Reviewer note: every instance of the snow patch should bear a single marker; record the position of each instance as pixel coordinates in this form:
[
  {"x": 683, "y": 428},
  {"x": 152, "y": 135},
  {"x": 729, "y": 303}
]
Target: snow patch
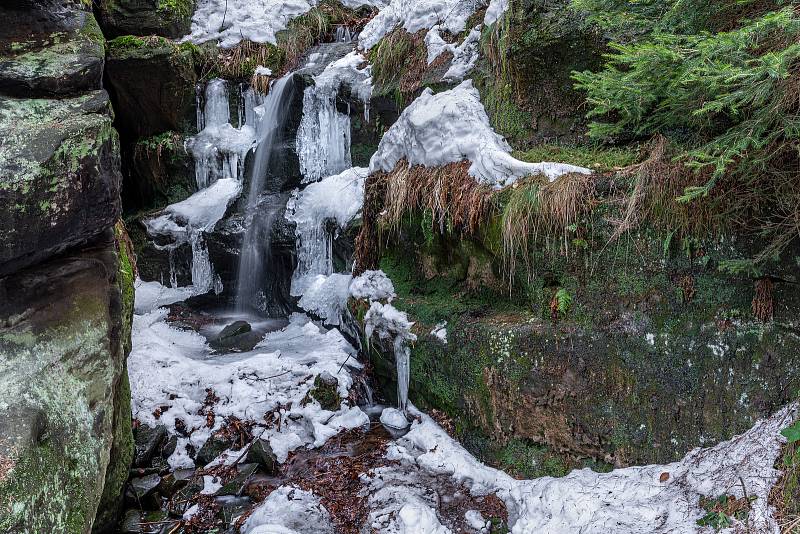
[
  {"x": 450, "y": 126},
  {"x": 465, "y": 55},
  {"x": 289, "y": 509},
  {"x": 173, "y": 368},
  {"x": 416, "y": 15}
]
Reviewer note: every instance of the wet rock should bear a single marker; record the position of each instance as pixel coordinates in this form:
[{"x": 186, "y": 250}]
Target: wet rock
[
  {"x": 261, "y": 453},
  {"x": 59, "y": 176},
  {"x": 170, "y": 484},
  {"x": 130, "y": 523},
  {"x": 148, "y": 440},
  {"x": 145, "y": 17},
  {"x": 237, "y": 484},
  {"x": 50, "y": 48},
  {"x": 143, "y": 487},
  {"x": 213, "y": 447},
  {"x": 236, "y": 337}
]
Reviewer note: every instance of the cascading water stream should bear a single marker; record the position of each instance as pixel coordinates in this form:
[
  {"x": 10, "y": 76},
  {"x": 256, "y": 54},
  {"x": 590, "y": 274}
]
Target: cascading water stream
[{"x": 270, "y": 117}]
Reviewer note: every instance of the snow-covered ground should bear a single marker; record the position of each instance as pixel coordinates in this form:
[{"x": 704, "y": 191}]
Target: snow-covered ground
[{"x": 172, "y": 369}]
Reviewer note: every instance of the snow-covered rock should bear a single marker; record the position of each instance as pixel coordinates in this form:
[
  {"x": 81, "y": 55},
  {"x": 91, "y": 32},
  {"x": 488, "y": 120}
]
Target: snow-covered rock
[
  {"x": 450, "y": 126},
  {"x": 372, "y": 285},
  {"x": 416, "y": 15},
  {"x": 464, "y": 55}
]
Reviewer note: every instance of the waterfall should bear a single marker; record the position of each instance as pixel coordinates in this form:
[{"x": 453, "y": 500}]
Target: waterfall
[{"x": 270, "y": 117}]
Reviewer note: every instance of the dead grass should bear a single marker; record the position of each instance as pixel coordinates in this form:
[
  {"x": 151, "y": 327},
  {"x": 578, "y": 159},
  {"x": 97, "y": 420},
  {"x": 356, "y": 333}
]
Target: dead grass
[
  {"x": 539, "y": 210},
  {"x": 399, "y": 61},
  {"x": 452, "y": 198},
  {"x": 785, "y": 494}
]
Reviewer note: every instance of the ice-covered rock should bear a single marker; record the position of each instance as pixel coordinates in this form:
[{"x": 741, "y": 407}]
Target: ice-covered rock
[
  {"x": 372, "y": 285},
  {"x": 188, "y": 221},
  {"x": 450, "y": 126},
  {"x": 336, "y": 198}
]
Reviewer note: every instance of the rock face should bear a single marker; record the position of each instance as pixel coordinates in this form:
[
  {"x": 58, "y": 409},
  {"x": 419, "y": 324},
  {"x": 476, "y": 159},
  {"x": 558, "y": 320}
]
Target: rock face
[
  {"x": 66, "y": 277},
  {"x": 59, "y": 176},
  {"x": 49, "y": 49},
  {"x": 168, "y": 18},
  {"x": 63, "y": 389}
]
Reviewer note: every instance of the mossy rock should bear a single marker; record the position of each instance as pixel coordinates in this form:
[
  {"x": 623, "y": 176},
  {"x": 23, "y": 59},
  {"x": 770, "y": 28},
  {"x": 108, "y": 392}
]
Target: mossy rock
[
  {"x": 50, "y": 51},
  {"x": 657, "y": 352},
  {"x": 167, "y": 18},
  {"x": 60, "y": 176},
  {"x": 63, "y": 394},
  {"x": 152, "y": 82}
]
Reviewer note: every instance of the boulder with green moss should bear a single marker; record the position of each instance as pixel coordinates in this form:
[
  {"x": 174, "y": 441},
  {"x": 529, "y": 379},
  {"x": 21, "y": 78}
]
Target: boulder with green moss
[
  {"x": 64, "y": 400},
  {"x": 49, "y": 48},
  {"x": 59, "y": 176},
  {"x": 167, "y": 18}
]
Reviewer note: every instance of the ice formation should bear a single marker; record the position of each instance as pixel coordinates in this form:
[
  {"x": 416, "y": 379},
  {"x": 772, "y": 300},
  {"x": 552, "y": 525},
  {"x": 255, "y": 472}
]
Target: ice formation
[
  {"x": 189, "y": 220},
  {"x": 416, "y": 15},
  {"x": 172, "y": 367},
  {"x": 391, "y": 324},
  {"x": 323, "y": 139},
  {"x": 440, "y": 332},
  {"x": 219, "y": 149},
  {"x": 372, "y": 285},
  {"x": 451, "y": 126},
  {"x": 336, "y": 198}
]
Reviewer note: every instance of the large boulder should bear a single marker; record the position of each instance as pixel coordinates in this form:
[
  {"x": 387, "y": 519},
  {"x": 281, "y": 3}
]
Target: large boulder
[
  {"x": 49, "y": 48},
  {"x": 152, "y": 84},
  {"x": 168, "y": 18},
  {"x": 59, "y": 176},
  {"x": 64, "y": 400}
]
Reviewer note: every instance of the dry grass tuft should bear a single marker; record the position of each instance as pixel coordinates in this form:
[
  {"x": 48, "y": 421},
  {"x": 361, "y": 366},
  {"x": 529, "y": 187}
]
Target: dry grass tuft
[
  {"x": 455, "y": 201},
  {"x": 541, "y": 210}
]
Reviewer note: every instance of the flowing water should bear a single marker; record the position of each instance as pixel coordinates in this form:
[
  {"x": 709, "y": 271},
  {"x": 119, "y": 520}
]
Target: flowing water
[{"x": 270, "y": 119}]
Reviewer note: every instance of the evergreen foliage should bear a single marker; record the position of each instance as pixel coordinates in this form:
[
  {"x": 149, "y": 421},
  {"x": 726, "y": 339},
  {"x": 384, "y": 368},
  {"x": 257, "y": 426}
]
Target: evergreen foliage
[{"x": 719, "y": 79}]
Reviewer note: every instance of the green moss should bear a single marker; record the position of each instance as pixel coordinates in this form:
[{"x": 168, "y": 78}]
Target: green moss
[
  {"x": 175, "y": 9},
  {"x": 595, "y": 157}
]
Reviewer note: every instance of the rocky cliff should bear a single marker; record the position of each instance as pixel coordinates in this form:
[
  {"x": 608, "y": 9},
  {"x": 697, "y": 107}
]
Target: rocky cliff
[{"x": 66, "y": 277}]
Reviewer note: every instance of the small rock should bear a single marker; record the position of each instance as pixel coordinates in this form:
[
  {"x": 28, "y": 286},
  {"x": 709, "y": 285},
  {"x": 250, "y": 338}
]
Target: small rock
[
  {"x": 235, "y": 486},
  {"x": 148, "y": 441},
  {"x": 236, "y": 337},
  {"x": 326, "y": 392},
  {"x": 144, "y": 486},
  {"x": 261, "y": 453},
  {"x": 213, "y": 447}
]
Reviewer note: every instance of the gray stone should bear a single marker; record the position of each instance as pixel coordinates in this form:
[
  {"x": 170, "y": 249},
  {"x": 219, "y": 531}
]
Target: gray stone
[{"x": 62, "y": 361}]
